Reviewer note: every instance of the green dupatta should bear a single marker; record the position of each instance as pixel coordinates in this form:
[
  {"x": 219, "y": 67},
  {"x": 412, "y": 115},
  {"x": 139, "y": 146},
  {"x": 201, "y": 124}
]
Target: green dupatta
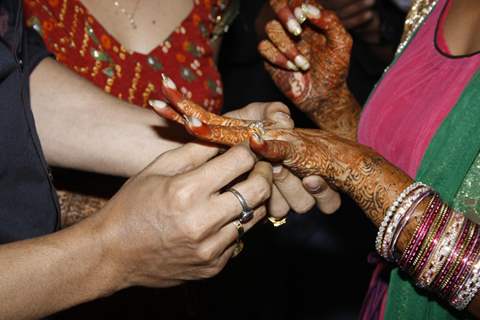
[{"x": 451, "y": 165}]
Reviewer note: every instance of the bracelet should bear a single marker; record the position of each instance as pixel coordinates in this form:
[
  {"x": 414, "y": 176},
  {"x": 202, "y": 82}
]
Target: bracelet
[
  {"x": 390, "y": 212},
  {"x": 442, "y": 251},
  {"x": 410, "y": 201}
]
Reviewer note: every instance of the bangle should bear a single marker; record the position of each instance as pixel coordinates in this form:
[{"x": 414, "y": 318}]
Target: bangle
[
  {"x": 390, "y": 212},
  {"x": 410, "y": 201},
  {"x": 442, "y": 251}
]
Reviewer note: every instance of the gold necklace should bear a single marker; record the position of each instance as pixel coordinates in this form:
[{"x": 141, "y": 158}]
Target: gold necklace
[{"x": 129, "y": 15}]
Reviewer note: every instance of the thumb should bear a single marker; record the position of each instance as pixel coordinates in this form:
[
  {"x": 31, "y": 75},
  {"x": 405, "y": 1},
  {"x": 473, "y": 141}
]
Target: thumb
[
  {"x": 180, "y": 160},
  {"x": 328, "y": 200}
]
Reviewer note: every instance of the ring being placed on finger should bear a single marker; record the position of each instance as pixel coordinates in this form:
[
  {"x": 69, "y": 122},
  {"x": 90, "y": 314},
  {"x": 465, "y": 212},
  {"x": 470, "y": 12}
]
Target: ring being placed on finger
[
  {"x": 277, "y": 222},
  {"x": 247, "y": 212}
]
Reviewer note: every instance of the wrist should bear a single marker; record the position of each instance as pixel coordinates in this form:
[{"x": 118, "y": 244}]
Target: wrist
[{"x": 339, "y": 113}]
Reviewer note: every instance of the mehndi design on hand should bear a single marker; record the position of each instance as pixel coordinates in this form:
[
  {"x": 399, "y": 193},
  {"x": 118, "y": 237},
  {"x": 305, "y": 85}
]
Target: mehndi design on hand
[
  {"x": 355, "y": 169},
  {"x": 311, "y": 69}
]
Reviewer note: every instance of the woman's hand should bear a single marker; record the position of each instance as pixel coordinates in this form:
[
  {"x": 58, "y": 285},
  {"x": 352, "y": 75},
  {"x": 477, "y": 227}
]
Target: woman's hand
[
  {"x": 311, "y": 69},
  {"x": 350, "y": 167},
  {"x": 289, "y": 192}
]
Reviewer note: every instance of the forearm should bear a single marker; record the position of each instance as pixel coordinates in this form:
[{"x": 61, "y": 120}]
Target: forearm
[
  {"x": 384, "y": 187},
  {"x": 47, "y": 274},
  {"x": 83, "y": 128},
  {"x": 338, "y": 114}
]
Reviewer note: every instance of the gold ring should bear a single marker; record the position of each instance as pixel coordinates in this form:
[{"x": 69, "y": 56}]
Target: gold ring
[
  {"x": 277, "y": 222},
  {"x": 238, "y": 248}
]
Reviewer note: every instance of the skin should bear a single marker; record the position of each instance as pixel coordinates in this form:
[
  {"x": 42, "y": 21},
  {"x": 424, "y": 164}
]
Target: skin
[
  {"x": 321, "y": 91},
  {"x": 83, "y": 128},
  {"x": 151, "y": 234},
  {"x": 355, "y": 169}
]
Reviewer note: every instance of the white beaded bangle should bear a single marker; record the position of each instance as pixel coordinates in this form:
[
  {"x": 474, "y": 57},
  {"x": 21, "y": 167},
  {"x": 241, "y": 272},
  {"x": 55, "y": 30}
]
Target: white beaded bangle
[
  {"x": 390, "y": 212},
  {"x": 401, "y": 218}
]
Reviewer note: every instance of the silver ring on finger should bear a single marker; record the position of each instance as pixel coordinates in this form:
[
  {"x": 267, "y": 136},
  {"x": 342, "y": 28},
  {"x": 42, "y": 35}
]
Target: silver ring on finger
[{"x": 247, "y": 212}]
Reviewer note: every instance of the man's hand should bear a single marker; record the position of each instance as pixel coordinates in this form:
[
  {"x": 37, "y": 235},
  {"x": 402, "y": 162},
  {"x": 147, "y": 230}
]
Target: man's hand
[{"x": 173, "y": 222}]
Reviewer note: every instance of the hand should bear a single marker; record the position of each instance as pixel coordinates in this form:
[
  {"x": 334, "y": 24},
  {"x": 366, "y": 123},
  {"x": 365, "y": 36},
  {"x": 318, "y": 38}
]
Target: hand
[
  {"x": 312, "y": 70},
  {"x": 288, "y": 191},
  {"x": 173, "y": 223}
]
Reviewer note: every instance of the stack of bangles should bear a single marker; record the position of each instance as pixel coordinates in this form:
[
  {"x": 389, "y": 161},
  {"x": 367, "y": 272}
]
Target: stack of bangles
[{"x": 443, "y": 255}]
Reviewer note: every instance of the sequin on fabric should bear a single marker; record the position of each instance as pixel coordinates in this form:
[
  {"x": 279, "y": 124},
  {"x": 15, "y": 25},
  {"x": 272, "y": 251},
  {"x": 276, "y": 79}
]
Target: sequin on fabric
[{"x": 468, "y": 197}]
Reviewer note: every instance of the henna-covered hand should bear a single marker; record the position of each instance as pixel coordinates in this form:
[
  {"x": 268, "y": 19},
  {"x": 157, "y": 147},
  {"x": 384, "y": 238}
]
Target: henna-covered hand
[
  {"x": 355, "y": 169},
  {"x": 312, "y": 68}
]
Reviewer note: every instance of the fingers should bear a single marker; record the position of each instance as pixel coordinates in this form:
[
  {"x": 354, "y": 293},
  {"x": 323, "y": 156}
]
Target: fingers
[
  {"x": 229, "y": 233},
  {"x": 188, "y": 108},
  {"x": 180, "y": 160},
  {"x": 274, "y": 56},
  {"x": 275, "y": 114},
  {"x": 217, "y": 134},
  {"x": 255, "y": 190},
  {"x": 329, "y": 23},
  {"x": 163, "y": 110},
  {"x": 292, "y": 190},
  {"x": 285, "y": 15},
  {"x": 285, "y": 45},
  {"x": 218, "y": 172},
  {"x": 328, "y": 200},
  {"x": 273, "y": 150},
  {"x": 277, "y": 205}
]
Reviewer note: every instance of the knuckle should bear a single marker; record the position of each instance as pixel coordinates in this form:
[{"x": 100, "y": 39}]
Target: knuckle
[
  {"x": 261, "y": 212},
  {"x": 206, "y": 254},
  {"x": 261, "y": 187},
  {"x": 243, "y": 156}
]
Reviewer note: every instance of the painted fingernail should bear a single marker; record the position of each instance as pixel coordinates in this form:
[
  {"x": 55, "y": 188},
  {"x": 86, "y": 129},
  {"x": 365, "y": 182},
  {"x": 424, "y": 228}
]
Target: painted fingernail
[
  {"x": 298, "y": 12},
  {"x": 256, "y": 137},
  {"x": 291, "y": 65},
  {"x": 302, "y": 62},
  {"x": 277, "y": 169},
  {"x": 311, "y": 11},
  {"x": 168, "y": 82},
  {"x": 195, "y": 122},
  {"x": 157, "y": 104},
  {"x": 294, "y": 27}
]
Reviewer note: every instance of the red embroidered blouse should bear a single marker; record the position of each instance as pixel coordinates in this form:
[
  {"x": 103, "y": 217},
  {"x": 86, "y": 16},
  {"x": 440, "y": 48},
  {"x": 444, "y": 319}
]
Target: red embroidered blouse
[{"x": 80, "y": 42}]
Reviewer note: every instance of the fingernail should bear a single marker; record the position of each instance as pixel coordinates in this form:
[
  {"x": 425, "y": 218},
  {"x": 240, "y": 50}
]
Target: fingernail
[
  {"x": 311, "y": 11},
  {"x": 294, "y": 27},
  {"x": 168, "y": 82},
  {"x": 298, "y": 12},
  {"x": 257, "y": 138},
  {"x": 195, "y": 122},
  {"x": 302, "y": 62},
  {"x": 311, "y": 186},
  {"x": 277, "y": 169},
  {"x": 291, "y": 65},
  {"x": 157, "y": 104}
]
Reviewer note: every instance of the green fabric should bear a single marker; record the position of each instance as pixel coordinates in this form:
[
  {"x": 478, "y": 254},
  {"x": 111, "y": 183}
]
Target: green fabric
[{"x": 445, "y": 165}]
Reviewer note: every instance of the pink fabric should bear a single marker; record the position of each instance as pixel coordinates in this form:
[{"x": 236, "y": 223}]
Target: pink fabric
[{"x": 414, "y": 98}]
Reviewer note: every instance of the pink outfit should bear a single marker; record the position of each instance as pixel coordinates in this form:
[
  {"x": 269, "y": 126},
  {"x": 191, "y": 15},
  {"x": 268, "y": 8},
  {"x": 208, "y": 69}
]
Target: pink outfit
[
  {"x": 406, "y": 109},
  {"x": 415, "y": 96}
]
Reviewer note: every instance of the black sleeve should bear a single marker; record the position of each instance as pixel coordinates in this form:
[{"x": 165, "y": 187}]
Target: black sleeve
[{"x": 34, "y": 50}]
